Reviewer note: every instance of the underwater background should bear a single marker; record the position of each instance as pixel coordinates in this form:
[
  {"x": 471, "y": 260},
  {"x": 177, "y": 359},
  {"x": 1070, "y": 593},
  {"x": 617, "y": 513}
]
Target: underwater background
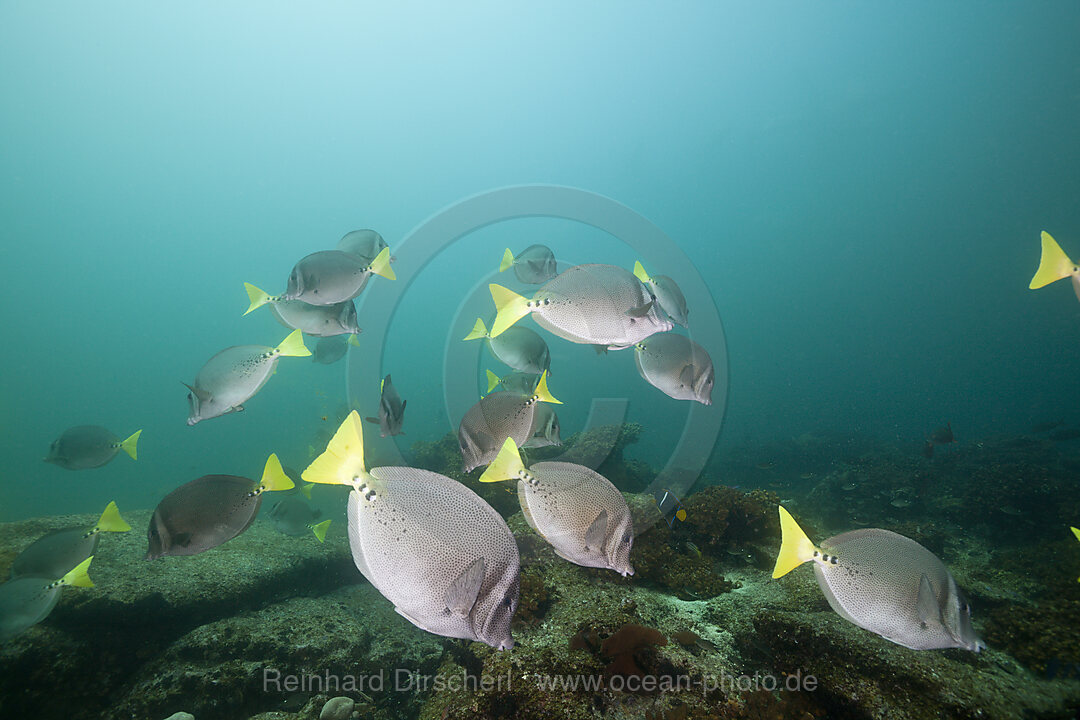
[{"x": 859, "y": 186}]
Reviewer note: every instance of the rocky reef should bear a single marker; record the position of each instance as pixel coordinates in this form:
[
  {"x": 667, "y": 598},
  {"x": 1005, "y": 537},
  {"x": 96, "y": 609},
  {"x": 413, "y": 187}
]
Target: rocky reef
[{"x": 275, "y": 627}]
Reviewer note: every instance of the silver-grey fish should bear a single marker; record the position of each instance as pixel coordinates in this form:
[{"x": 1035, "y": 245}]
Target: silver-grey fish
[
  {"x": 519, "y": 347},
  {"x": 329, "y": 350},
  {"x": 365, "y": 244},
  {"x": 316, "y": 320},
  {"x": 26, "y": 601},
  {"x": 534, "y": 265},
  {"x": 234, "y": 375},
  {"x": 545, "y": 428},
  {"x": 885, "y": 583},
  {"x": 497, "y": 416},
  {"x": 209, "y": 511},
  {"x": 515, "y": 382},
  {"x": 391, "y": 409},
  {"x": 54, "y": 554},
  {"x": 677, "y": 366},
  {"x": 667, "y": 293},
  {"x": 89, "y": 446},
  {"x": 577, "y": 510},
  {"x": 332, "y": 276},
  {"x": 587, "y": 304},
  {"x": 430, "y": 545},
  {"x": 292, "y": 516}
]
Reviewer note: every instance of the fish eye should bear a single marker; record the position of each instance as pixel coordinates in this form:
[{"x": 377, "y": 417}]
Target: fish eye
[
  {"x": 189, "y": 396},
  {"x": 626, "y": 538},
  {"x": 508, "y": 601}
]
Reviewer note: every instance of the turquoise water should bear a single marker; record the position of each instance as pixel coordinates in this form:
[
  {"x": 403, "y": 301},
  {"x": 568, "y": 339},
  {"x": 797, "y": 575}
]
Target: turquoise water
[{"x": 861, "y": 187}]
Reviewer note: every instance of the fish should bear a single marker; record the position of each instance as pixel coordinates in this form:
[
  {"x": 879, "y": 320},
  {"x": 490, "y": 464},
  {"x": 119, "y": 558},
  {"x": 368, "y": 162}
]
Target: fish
[
  {"x": 670, "y": 507},
  {"x": 575, "y": 509},
  {"x": 26, "y": 601},
  {"x": 546, "y": 430},
  {"x": 517, "y": 382},
  {"x": 667, "y": 293},
  {"x": 1054, "y": 265},
  {"x": 53, "y": 555},
  {"x": 676, "y": 366},
  {"x": 928, "y": 449},
  {"x": 328, "y": 350},
  {"x": 365, "y": 244},
  {"x": 234, "y": 375},
  {"x": 431, "y": 546},
  {"x": 295, "y": 517},
  {"x": 943, "y": 435},
  {"x": 519, "y": 347},
  {"x": 587, "y": 304},
  {"x": 314, "y": 320},
  {"x": 534, "y": 265},
  {"x": 391, "y": 409},
  {"x": 209, "y": 511},
  {"x": 497, "y": 416},
  {"x": 885, "y": 583},
  {"x": 89, "y": 446},
  {"x": 328, "y": 277},
  {"x": 1076, "y": 533}
]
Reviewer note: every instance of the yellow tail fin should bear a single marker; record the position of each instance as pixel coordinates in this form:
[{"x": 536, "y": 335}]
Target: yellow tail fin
[
  {"x": 305, "y": 489},
  {"x": 110, "y": 520},
  {"x": 130, "y": 446},
  {"x": 274, "y": 477},
  {"x": 507, "y": 464},
  {"x": 257, "y": 297},
  {"x": 1053, "y": 265},
  {"x": 343, "y": 461},
  {"x": 511, "y": 307},
  {"x": 479, "y": 330},
  {"x": 293, "y": 345},
  {"x": 639, "y": 272},
  {"x": 795, "y": 547},
  {"x": 542, "y": 392},
  {"x": 78, "y": 577},
  {"x": 381, "y": 265},
  {"x": 320, "y": 529},
  {"x": 493, "y": 380},
  {"x": 353, "y": 340},
  {"x": 507, "y": 261},
  {"x": 1075, "y": 532}
]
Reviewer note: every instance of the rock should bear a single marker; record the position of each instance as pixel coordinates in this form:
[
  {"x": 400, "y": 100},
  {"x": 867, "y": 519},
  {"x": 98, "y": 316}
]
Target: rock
[
  {"x": 339, "y": 708},
  {"x": 181, "y": 716}
]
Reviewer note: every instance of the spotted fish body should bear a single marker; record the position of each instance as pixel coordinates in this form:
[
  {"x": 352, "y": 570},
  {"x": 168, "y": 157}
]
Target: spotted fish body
[
  {"x": 490, "y": 421},
  {"x": 317, "y": 320},
  {"x": 328, "y": 277},
  {"x": 521, "y": 349},
  {"x": 234, "y": 375},
  {"x": 365, "y": 244},
  {"x": 885, "y": 583},
  {"x": 438, "y": 552},
  {"x": 580, "y": 513},
  {"x": 587, "y": 304},
  {"x": 84, "y": 447},
  {"x": 893, "y": 586},
  {"x": 677, "y": 366}
]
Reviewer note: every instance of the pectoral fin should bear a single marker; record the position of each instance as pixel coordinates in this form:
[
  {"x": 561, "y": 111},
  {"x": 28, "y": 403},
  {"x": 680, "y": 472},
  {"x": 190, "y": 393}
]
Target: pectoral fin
[
  {"x": 594, "y": 536},
  {"x": 641, "y": 311},
  {"x": 927, "y": 605},
  {"x": 462, "y": 594}
]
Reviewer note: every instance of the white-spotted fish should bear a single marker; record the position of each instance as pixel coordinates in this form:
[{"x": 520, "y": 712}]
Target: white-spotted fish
[
  {"x": 577, "y": 510},
  {"x": 885, "y": 583},
  {"x": 431, "y": 546},
  {"x": 677, "y": 366},
  {"x": 55, "y": 554},
  {"x": 534, "y": 265},
  {"x": 28, "y": 600},
  {"x": 519, "y": 347},
  {"x": 587, "y": 304},
  {"x": 209, "y": 511},
  {"x": 89, "y": 446},
  {"x": 329, "y": 277},
  {"x": 667, "y": 293},
  {"x": 497, "y": 416},
  {"x": 234, "y": 375}
]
